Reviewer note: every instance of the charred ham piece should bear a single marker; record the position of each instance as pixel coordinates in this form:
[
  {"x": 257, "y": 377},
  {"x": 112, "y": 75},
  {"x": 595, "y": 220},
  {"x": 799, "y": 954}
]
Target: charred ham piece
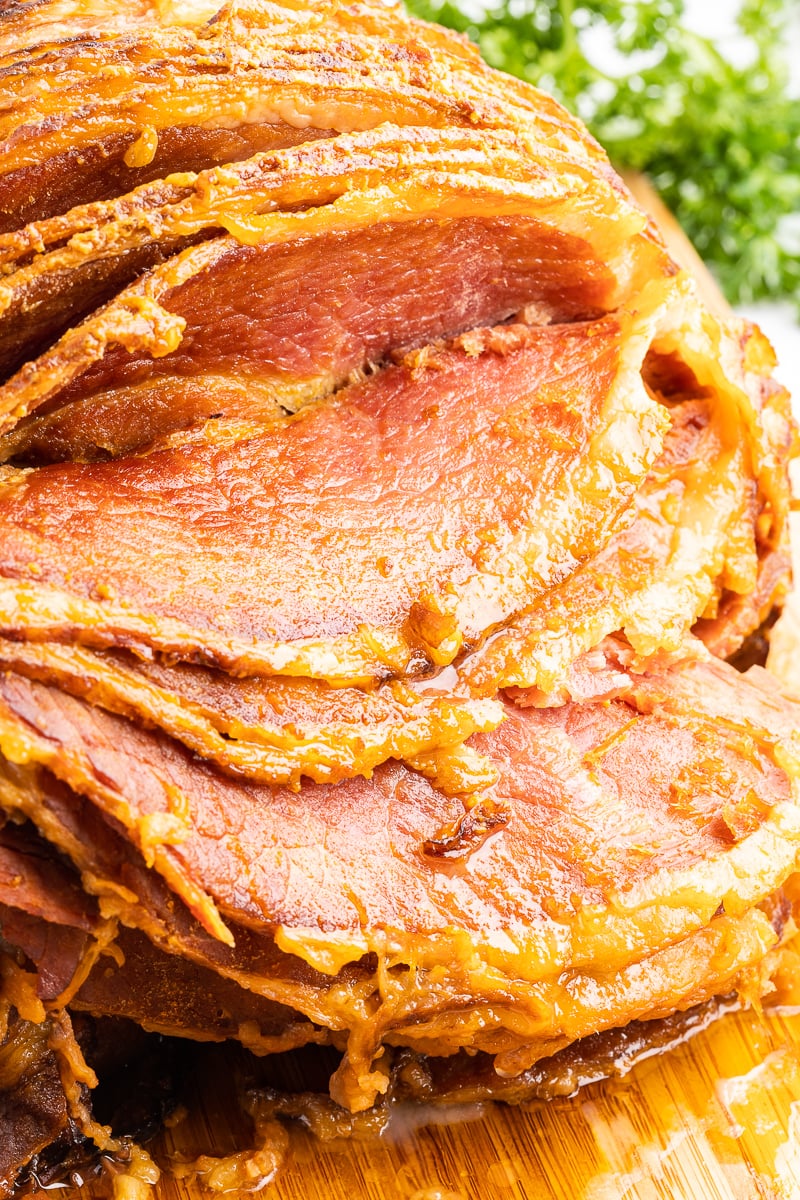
[
  {"x": 52, "y": 943},
  {"x": 47, "y": 925},
  {"x": 53, "y": 940},
  {"x": 45, "y": 1113},
  {"x": 34, "y": 1114}
]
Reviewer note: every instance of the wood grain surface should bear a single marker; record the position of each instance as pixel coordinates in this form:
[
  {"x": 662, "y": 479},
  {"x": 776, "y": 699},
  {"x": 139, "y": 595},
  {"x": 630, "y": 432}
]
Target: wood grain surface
[{"x": 716, "y": 1119}]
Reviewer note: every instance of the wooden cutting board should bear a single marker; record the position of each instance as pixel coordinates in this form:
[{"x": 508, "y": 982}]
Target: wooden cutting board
[{"x": 716, "y": 1119}]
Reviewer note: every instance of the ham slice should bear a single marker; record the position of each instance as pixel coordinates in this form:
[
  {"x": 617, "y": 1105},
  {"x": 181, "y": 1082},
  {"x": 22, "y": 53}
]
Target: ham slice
[
  {"x": 86, "y": 117},
  {"x": 276, "y": 861},
  {"x": 34, "y": 1113},
  {"x": 45, "y": 913},
  {"x": 275, "y": 729},
  {"x": 271, "y": 730},
  {"x": 552, "y": 405},
  {"x": 478, "y": 214},
  {"x": 457, "y": 540}
]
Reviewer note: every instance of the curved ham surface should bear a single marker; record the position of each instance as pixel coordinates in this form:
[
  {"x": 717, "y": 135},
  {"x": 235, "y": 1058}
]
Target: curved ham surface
[
  {"x": 577, "y": 883},
  {"x": 286, "y": 861},
  {"x": 231, "y": 328},
  {"x": 99, "y": 112},
  {"x": 341, "y": 202},
  {"x": 692, "y": 540},
  {"x": 569, "y": 424},
  {"x": 45, "y": 913},
  {"x": 226, "y": 329},
  {"x": 441, "y": 495},
  {"x": 273, "y": 730}
]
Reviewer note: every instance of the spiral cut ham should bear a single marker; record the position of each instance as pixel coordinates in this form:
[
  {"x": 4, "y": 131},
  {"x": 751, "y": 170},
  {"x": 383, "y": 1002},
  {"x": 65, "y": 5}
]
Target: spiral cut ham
[{"x": 379, "y": 505}]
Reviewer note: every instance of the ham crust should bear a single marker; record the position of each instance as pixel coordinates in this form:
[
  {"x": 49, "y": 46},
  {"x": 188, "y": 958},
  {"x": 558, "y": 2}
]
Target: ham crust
[
  {"x": 273, "y": 730},
  {"x": 511, "y": 207},
  {"x": 482, "y": 247},
  {"x": 88, "y": 131}
]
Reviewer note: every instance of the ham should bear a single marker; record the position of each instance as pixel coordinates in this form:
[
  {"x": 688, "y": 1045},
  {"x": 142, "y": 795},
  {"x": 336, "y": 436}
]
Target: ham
[
  {"x": 476, "y": 213},
  {"x": 34, "y": 1114},
  {"x": 273, "y": 729},
  {"x": 336, "y": 872},
  {"x": 277, "y": 729},
  {"x": 457, "y": 541},
  {"x": 88, "y": 117},
  {"x": 378, "y": 507}
]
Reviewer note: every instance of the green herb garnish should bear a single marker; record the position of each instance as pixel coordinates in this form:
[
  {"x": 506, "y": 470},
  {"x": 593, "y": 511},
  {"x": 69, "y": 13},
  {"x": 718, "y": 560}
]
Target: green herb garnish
[{"x": 721, "y": 142}]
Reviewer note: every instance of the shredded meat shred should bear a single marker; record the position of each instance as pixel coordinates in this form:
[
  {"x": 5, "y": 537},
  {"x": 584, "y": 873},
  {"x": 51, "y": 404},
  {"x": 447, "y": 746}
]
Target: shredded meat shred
[{"x": 379, "y": 504}]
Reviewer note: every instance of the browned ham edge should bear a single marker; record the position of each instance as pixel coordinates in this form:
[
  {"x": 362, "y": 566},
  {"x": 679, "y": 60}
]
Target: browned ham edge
[
  {"x": 329, "y": 192},
  {"x": 274, "y": 730},
  {"x": 174, "y": 99},
  {"x": 377, "y": 503},
  {"x": 268, "y": 730},
  {"x": 304, "y": 328}
]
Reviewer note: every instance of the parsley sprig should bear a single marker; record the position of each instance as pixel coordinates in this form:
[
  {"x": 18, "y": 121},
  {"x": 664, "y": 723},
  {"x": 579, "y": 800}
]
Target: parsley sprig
[{"x": 720, "y": 141}]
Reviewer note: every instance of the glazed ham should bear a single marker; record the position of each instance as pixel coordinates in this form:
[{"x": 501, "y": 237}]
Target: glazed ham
[
  {"x": 338, "y": 875},
  {"x": 426, "y": 543},
  {"x": 475, "y": 213},
  {"x": 379, "y": 504},
  {"x": 88, "y": 117}
]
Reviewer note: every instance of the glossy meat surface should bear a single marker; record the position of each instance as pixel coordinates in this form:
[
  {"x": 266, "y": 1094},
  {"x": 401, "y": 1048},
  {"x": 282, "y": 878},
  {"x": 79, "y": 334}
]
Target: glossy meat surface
[
  {"x": 271, "y": 730},
  {"x": 574, "y": 886},
  {"x": 263, "y": 309},
  {"x": 33, "y": 1107},
  {"x": 275, "y": 729},
  {"x": 111, "y": 95},
  {"x": 426, "y": 541},
  {"x": 555, "y": 767},
  {"x": 377, "y": 504},
  {"x": 327, "y": 191},
  {"x": 45, "y": 913},
  {"x": 281, "y": 329}
]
